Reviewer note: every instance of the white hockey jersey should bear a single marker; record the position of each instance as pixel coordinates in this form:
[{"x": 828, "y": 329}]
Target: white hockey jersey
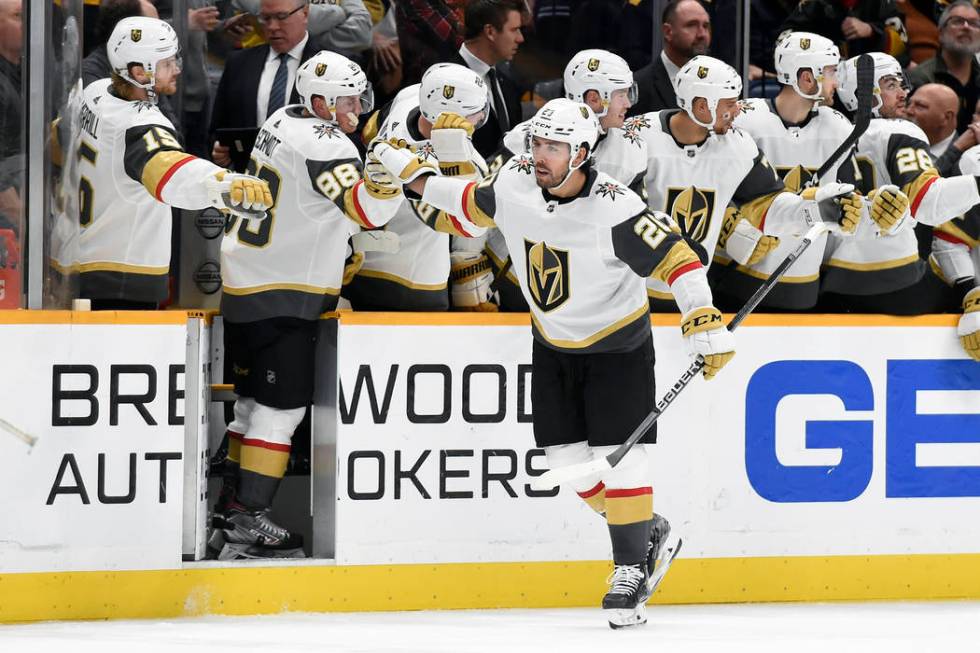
[
  {"x": 292, "y": 263},
  {"x": 416, "y": 276},
  {"x": 795, "y": 152},
  {"x": 131, "y": 167},
  {"x": 694, "y": 184},
  {"x": 582, "y": 260},
  {"x": 955, "y": 254}
]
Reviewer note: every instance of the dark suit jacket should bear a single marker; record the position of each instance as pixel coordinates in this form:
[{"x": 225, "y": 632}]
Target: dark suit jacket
[
  {"x": 234, "y": 103},
  {"x": 487, "y": 138},
  {"x": 655, "y": 87}
]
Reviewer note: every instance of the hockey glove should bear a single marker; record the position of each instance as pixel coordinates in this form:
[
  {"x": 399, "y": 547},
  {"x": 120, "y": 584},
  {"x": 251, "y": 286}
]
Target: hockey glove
[
  {"x": 705, "y": 334},
  {"x": 746, "y": 244},
  {"x": 451, "y": 136},
  {"x": 378, "y": 182},
  {"x": 889, "y": 208},
  {"x": 834, "y": 203},
  {"x": 969, "y": 327},
  {"x": 243, "y": 195},
  {"x": 404, "y": 165},
  {"x": 471, "y": 277}
]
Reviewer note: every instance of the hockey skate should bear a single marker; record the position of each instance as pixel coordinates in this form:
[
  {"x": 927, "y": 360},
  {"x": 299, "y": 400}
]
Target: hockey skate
[
  {"x": 625, "y": 603},
  {"x": 252, "y": 534},
  {"x": 659, "y": 555}
]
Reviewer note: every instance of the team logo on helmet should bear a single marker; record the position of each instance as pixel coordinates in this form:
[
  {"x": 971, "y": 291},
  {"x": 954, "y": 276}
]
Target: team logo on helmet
[
  {"x": 448, "y": 91},
  {"x": 547, "y": 275},
  {"x": 135, "y": 35},
  {"x": 702, "y": 72},
  {"x": 593, "y": 65},
  {"x": 804, "y": 44},
  {"x": 584, "y": 112},
  {"x": 691, "y": 208},
  {"x": 320, "y": 69}
]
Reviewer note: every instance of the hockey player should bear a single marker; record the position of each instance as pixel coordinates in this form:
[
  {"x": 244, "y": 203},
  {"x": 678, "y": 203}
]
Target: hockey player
[
  {"x": 415, "y": 278},
  {"x": 698, "y": 164},
  {"x": 582, "y": 245},
  {"x": 133, "y": 168},
  {"x": 879, "y": 269},
  {"x": 604, "y": 82},
  {"x": 797, "y": 134},
  {"x": 280, "y": 274}
]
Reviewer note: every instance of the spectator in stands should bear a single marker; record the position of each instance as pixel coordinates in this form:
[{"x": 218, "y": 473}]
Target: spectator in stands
[
  {"x": 857, "y": 26},
  {"x": 385, "y": 64},
  {"x": 933, "y": 107},
  {"x": 955, "y": 65},
  {"x": 11, "y": 114},
  {"x": 343, "y": 26},
  {"x": 493, "y": 36},
  {"x": 258, "y": 81},
  {"x": 431, "y": 30},
  {"x": 920, "y": 24},
  {"x": 95, "y": 66},
  {"x": 767, "y": 20},
  {"x": 686, "y": 31}
]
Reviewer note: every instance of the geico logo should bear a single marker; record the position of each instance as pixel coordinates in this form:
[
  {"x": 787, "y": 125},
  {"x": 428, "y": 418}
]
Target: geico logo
[
  {"x": 458, "y": 474},
  {"x": 76, "y": 399},
  {"x": 926, "y": 402},
  {"x": 69, "y": 479},
  {"x": 444, "y": 378}
]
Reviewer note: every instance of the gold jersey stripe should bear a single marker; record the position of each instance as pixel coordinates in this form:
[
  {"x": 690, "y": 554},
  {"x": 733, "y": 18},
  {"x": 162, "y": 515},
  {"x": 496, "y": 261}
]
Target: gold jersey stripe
[
  {"x": 595, "y": 337},
  {"x": 679, "y": 255},
  {"x": 159, "y": 168},
  {"x": 351, "y": 209},
  {"x": 938, "y": 271},
  {"x": 755, "y": 210},
  {"x": 106, "y": 266},
  {"x": 657, "y": 294},
  {"x": 629, "y": 510},
  {"x": 872, "y": 267},
  {"x": 299, "y": 287},
  {"x": 954, "y": 231},
  {"x": 394, "y": 278},
  {"x": 473, "y": 212},
  {"x": 914, "y": 187}
]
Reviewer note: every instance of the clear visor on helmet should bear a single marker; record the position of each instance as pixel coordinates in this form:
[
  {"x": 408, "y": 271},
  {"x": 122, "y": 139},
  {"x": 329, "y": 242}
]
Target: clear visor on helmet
[
  {"x": 633, "y": 93},
  {"x": 356, "y": 104},
  {"x": 171, "y": 64},
  {"x": 479, "y": 118}
]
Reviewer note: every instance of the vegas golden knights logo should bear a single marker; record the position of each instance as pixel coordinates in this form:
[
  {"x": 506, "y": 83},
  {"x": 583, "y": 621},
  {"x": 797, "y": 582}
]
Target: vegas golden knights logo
[
  {"x": 796, "y": 178},
  {"x": 584, "y": 112},
  {"x": 702, "y": 72},
  {"x": 320, "y": 69},
  {"x": 136, "y": 35},
  {"x": 804, "y": 44},
  {"x": 593, "y": 65},
  {"x": 448, "y": 91},
  {"x": 547, "y": 275},
  {"x": 691, "y": 209}
]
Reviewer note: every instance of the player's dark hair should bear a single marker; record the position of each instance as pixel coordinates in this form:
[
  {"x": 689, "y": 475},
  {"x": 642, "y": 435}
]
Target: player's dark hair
[{"x": 110, "y": 13}]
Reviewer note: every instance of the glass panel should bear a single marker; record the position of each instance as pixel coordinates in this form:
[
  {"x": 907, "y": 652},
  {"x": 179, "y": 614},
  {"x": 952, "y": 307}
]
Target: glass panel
[{"x": 13, "y": 105}]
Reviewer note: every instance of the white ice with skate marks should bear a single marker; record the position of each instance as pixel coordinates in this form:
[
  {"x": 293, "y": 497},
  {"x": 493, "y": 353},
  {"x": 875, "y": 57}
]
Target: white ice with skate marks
[{"x": 933, "y": 627}]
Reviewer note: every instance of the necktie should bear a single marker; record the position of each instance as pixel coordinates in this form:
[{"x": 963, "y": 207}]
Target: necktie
[
  {"x": 499, "y": 108},
  {"x": 277, "y": 96}
]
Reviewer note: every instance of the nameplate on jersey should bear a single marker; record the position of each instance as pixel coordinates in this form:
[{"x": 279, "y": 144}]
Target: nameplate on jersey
[
  {"x": 547, "y": 275},
  {"x": 691, "y": 209}
]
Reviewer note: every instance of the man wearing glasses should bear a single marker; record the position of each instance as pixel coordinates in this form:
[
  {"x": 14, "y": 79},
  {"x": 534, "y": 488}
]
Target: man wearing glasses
[
  {"x": 258, "y": 81},
  {"x": 955, "y": 65}
]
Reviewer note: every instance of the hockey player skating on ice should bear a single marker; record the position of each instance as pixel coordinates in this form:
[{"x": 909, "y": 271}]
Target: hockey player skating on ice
[
  {"x": 582, "y": 245},
  {"x": 797, "y": 132},
  {"x": 879, "y": 270},
  {"x": 698, "y": 164},
  {"x": 415, "y": 277},
  {"x": 133, "y": 168},
  {"x": 280, "y": 274}
]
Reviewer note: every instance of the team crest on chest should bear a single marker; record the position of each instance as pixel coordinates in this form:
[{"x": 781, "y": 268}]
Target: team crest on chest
[
  {"x": 796, "y": 178},
  {"x": 325, "y": 130},
  {"x": 691, "y": 209},
  {"x": 547, "y": 275},
  {"x": 609, "y": 189},
  {"x": 523, "y": 163}
]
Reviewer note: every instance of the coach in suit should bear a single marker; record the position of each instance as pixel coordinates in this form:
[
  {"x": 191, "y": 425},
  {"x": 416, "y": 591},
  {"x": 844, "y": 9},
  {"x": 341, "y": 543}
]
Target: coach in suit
[
  {"x": 258, "y": 81},
  {"x": 492, "y": 36},
  {"x": 686, "y": 32}
]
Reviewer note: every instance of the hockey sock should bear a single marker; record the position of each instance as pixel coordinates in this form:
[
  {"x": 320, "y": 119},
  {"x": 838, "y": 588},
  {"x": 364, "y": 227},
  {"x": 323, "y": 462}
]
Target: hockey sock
[
  {"x": 629, "y": 513},
  {"x": 595, "y": 497},
  {"x": 263, "y": 464}
]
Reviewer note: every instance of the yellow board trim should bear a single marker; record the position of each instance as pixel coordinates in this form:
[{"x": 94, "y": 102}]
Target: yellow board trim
[
  {"x": 872, "y": 267},
  {"x": 300, "y": 287},
  {"x": 244, "y": 589},
  {"x": 394, "y": 278},
  {"x": 96, "y": 317},
  {"x": 598, "y": 335}
]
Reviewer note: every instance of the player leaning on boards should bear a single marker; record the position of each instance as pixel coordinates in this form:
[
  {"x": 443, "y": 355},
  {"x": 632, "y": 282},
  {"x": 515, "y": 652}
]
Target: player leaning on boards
[
  {"x": 604, "y": 82},
  {"x": 796, "y": 133},
  {"x": 698, "y": 164},
  {"x": 133, "y": 169},
  {"x": 280, "y": 274},
  {"x": 415, "y": 277},
  {"x": 879, "y": 269},
  {"x": 582, "y": 245}
]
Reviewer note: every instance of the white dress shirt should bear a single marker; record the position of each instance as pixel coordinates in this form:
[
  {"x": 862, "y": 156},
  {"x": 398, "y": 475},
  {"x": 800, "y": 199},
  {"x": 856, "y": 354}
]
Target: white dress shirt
[
  {"x": 481, "y": 68},
  {"x": 941, "y": 146},
  {"x": 671, "y": 68},
  {"x": 269, "y": 74}
]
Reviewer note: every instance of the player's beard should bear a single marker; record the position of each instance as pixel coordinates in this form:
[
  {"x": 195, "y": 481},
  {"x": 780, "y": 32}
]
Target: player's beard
[{"x": 960, "y": 47}]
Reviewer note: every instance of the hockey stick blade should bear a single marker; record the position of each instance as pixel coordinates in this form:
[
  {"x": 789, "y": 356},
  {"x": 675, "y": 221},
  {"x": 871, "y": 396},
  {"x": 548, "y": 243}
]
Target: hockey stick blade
[
  {"x": 26, "y": 438},
  {"x": 559, "y": 475}
]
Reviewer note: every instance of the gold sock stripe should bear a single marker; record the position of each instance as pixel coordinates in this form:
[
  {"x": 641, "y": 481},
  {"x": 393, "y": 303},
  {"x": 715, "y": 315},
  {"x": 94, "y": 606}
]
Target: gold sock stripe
[
  {"x": 261, "y": 460},
  {"x": 629, "y": 506}
]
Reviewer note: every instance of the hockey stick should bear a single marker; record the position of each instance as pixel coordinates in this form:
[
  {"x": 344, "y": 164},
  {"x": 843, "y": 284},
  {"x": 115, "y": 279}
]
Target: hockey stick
[
  {"x": 560, "y": 475},
  {"x": 27, "y": 438}
]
